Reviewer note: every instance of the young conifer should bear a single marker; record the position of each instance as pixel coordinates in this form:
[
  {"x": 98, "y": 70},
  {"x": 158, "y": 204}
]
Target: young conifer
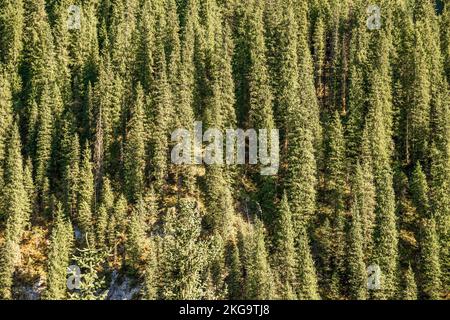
[
  {"x": 14, "y": 207},
  {"x": 61, "y": 242}
]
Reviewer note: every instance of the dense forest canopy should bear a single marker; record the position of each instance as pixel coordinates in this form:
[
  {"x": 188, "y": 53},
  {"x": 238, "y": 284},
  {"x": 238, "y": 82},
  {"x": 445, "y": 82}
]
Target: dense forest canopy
[{"x": 91, "y": 91}]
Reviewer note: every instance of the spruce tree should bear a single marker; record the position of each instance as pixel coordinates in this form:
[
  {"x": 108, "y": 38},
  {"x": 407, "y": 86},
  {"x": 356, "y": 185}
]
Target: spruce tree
[
  {"x": 335, "y": 179},
  {"x": 357, "y": 86},
  {"x": 308, "y": 98},
  {"x": 71, "y": 177},
  {"x": 98, "y": 152},
  {"x": 109, "y": 95},
  {"x": 6, "y": 117},
  {"x": 285, "y": 248},
  {"x": 356, "y": 265},
  {"x": 260, "y": 101},
  {"x": 220, "y": 202},
  {"x": 61, "y": 242},
  {"x": 336, "y": 174},
  {"x": 122, "y": 32},
  {"x": 216, "y": 287},
  {"x": 410, "y": 287},
  {"x": 260, "y": 111},
  {"x": 172, "y": 42},
  {"x": 151, "y": 272},
  {"x": 319, "y": 43},
  {"x": 307, "y": 287},
  {"x": 135, "y": 149},
  {"x": 219, "y": 114},
  {"x": 185, "y": 91},
  {"x": 92, "y": 283},
  {"x": 439, "y": 176},
  {"x": 117, "y": 228},
  {"x": 184, "y": 252},
  {"x": 258, "y": 282},
  {"x": 235, "y": 277},
  {"x": 144, "y": 56},
  {"x": 301, "y": 162},
  {"x": 445, "y": 27},
  {"x": 364, "y": 191},
  {"x": 420, "y": 108},
  {"x": 420, "y": 191},
  {"x": 44, "y": 138},
  {"x": 58, "y": 18},
  {"x": 380, "y": 143},
  {"x": 403, "y": 81},
  {"x": 11, "y": 39},
  {"x": 137, "y": 242},
  {"x": 14, "y": 207},
  {"x": 29, "y": 186},
  {"x": 104, "y": 214},
  {"x": 84, "y": 48},
  {"x": 161, "y": 104},
  {"x": 430, "y": 263},
  {"x": 101, "y": 225},
  {"x": 39, "y": 55},
  {"x": 429, "y": 243},
  {"x": 86, "y": 194}
]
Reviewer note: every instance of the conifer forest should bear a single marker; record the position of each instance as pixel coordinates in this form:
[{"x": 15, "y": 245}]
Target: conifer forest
[{"x": 93, "y": 207}]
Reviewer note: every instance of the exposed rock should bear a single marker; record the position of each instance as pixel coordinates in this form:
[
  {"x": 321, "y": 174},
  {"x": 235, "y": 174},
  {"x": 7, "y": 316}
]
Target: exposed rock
[
  {"x": 29, "y": 292},
  {"x": 122, "y": 288}
]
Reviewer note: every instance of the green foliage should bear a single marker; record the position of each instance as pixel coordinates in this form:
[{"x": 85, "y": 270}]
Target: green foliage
[
  {"x": 307, "y": 288},
  {"x": 135, "y": 149},
  {"x": 151, "y": 273},
  {"x": 260, "y": 91},
  {"x": 6, "y": 117},
  {"x": 183, "y": 252},
  {"x": 300, "y": 177},
  {"x": 85, "y": 194},
  {"x": 117, "y": 227},
  {"x": 364, "y": 191},
  {"x": 430, "y": 264},
  {"x": 14, "y": 205},
  {"x": 59, "y": 257},
  {"x": 259, "y": 281},
  {"x": 71, "y": 176},
  {"x": 11, "y": 39},
  {"x": 445, "y": 27},
  {"x": 43, "y": 138},
  {"x": 92, "y": 283},
  {"x": 336, "y": 172},
  {"x": 357, "y": 267},
  {"x": 161, "y": 104},
  {"x": 137, "y": 241},
  {"x": 260, "y": 110},
  {"x": 379, "y": 144},
  {"x": 86, "y": 117},
  {"x": 285, "y": 248},
  {"x": 235, "y": 277},
  {"x": 220, "y": 201},
  {"x": 419, "y": 190},
  {"x": 410, "y": 287},
  {"x": 104, "y": 213}
]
